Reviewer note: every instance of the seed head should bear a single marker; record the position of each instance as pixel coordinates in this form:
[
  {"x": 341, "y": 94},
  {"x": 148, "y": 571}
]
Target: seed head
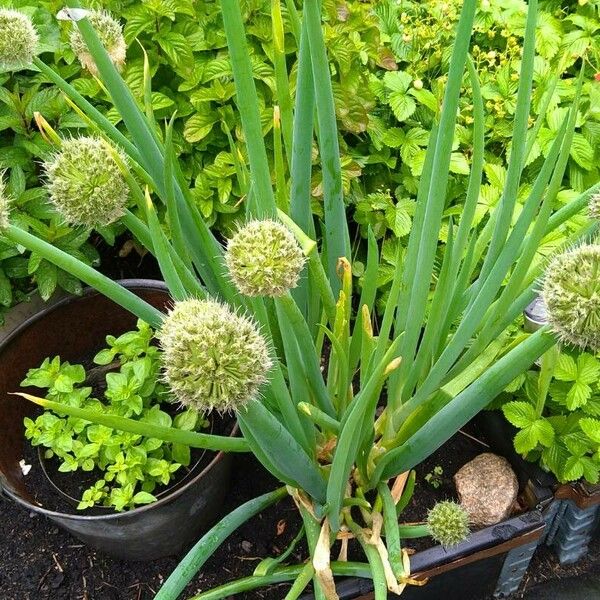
[
  {"x": 18, "y": 40},
  {"x": 85, "y": 183},
  {"x": 448, "y": 523},
  {"x": 571, "y": 293},
  {"x": 213, "y": 358},
  {"x": 110, "y": 33},
  {"x": 264, "y": 259},
  {"x": 4, "y": 205}
]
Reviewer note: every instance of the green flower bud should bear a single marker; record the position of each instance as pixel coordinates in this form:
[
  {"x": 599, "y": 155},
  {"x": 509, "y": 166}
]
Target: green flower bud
[
  {"x": 110, "y": 33},
  {"x": 85, "y": 184},
  {"x": 571, "y": 293},
  {"x": 213, "y": 358},
  {"x": 4, "y": 205},
  {"x": 448, "y": 523},
  {"x": 264, "y": 259},
  {"x": 18, "y": 40}
]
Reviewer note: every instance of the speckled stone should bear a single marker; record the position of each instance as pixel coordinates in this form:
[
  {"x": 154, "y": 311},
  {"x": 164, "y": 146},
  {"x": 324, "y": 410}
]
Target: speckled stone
[{"x": 487, "y": 488}]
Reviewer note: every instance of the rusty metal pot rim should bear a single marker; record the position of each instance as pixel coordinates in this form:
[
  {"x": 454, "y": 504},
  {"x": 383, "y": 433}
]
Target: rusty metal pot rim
[{"x": 44, "y": 313}]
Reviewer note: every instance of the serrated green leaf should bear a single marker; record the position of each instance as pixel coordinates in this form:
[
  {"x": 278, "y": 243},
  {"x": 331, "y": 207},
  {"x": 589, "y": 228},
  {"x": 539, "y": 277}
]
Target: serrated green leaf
[
  {"x": 198, "y": 127},
  {"x": 520, "y": 414},
  {"x": 402, "y": 105},
  {"x": 591, "y": 427},
  {"x": 540, "y": 432},
  {"x": 578, "y": 395},
  {"x": 566, "y": 368}
]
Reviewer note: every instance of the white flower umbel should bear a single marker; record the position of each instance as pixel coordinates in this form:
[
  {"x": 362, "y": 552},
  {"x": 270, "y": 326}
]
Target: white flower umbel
[
  {"x": 264, "y": 259},
  {"x": 4, "y": 205},
  {"x": 18, "y": 40},
  {"x": 110, "y": 33},
  {"x": 571, "y": 293},
  {"x": 213, "y": 358},
  {"x": 594, "y": 206},
  {"x": 85, "y": 183}
]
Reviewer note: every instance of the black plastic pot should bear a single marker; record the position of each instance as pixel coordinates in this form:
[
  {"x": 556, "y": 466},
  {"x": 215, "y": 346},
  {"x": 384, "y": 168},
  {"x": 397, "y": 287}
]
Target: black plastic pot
[
  {"x": 493, "y": 560},
  {"x": 470, "y": 571},
  {"x": 76, "y": 327}
]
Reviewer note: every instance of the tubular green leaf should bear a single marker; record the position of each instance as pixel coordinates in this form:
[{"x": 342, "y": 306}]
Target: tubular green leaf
[
  {"x": 122, "y": 296},
  {"x": 519, "y": 143},
  {"x": 337, "y": 239},
  {"x": 211, "y": 540},
  {"x": 463, "y": 407},
  {"x": 247, "y": 104},
  {"x": 166, "y": 434}
]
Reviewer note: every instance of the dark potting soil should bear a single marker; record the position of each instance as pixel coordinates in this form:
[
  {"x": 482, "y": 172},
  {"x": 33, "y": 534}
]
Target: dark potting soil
[
  {"x": 39, "y": 561},
  {"x": 125, "y": 259}
]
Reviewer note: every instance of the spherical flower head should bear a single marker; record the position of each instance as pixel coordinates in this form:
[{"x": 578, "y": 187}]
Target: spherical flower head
[
  {"x": 18, "y": 40},
  {"x": 110, "y": 33},
  {"x": 85, "y": 184},
  {"x": 4, "y": 206},
  {"x": 594, "y": 206},
  {"x": 448, "y": 523},
  {"x": 264, "y": 259},
  {"x": 213, "y": 358},
  {"x": 571, "y": 293}
]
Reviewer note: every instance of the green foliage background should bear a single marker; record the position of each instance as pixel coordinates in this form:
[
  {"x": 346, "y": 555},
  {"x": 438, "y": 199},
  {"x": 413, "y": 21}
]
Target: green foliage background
[{"x": 387, "y": 65}]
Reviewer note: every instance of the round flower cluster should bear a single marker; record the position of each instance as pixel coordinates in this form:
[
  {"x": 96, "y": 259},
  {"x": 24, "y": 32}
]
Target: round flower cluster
[
  {"x": 85, "y": 184},
  {"x": 264, "y": 259},
  {"x": 110, "y": 33},
  {"x": 18, "y": 40},
  {"x": 448, "y": 523},
  {"x": 213, "y": 358},
  {"x": 571, "y": 293}
]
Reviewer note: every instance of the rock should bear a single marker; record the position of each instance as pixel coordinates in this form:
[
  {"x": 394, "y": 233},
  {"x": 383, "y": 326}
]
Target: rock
[{"x": 487, "y": 489}]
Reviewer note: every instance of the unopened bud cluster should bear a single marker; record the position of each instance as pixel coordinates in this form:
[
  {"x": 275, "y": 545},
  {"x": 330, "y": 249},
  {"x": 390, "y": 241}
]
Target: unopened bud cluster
[{"x": 448, "y": 523}]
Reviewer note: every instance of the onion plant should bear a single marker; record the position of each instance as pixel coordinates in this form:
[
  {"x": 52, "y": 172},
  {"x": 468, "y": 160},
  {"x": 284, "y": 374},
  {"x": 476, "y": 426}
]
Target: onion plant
[{"x": 337, "y": 402}]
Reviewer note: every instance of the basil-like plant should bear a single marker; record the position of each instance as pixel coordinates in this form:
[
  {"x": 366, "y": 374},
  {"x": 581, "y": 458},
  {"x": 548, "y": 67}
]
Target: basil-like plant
[
  {"x": 241, "y": 337},
  {"x": 129, "y": 466}
]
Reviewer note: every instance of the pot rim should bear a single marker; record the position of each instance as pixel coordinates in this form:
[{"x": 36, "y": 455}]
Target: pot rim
[{"x": 44, "y": 313}]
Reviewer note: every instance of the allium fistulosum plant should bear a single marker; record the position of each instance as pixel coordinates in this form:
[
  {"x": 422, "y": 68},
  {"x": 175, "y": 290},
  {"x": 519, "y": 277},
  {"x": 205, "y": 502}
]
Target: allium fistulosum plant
[{"x": 248, "y": 327}]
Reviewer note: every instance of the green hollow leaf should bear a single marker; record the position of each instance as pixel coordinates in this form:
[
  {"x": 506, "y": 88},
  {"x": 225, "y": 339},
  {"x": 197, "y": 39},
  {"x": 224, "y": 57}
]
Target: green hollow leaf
[
  {"x": 93, "y": 278},
  {"x": 247, "y": 104},
  {"x": 274, "y": 441},
  {"x": 160, "y": 432},
  {"x": 211, "y": 540},
  {"x": 337, "y": 239},
  {"x": 456, "y": 413}
]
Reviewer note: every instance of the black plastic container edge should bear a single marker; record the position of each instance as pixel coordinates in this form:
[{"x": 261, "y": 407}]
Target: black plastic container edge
[{"x": 152, "y": 531}]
